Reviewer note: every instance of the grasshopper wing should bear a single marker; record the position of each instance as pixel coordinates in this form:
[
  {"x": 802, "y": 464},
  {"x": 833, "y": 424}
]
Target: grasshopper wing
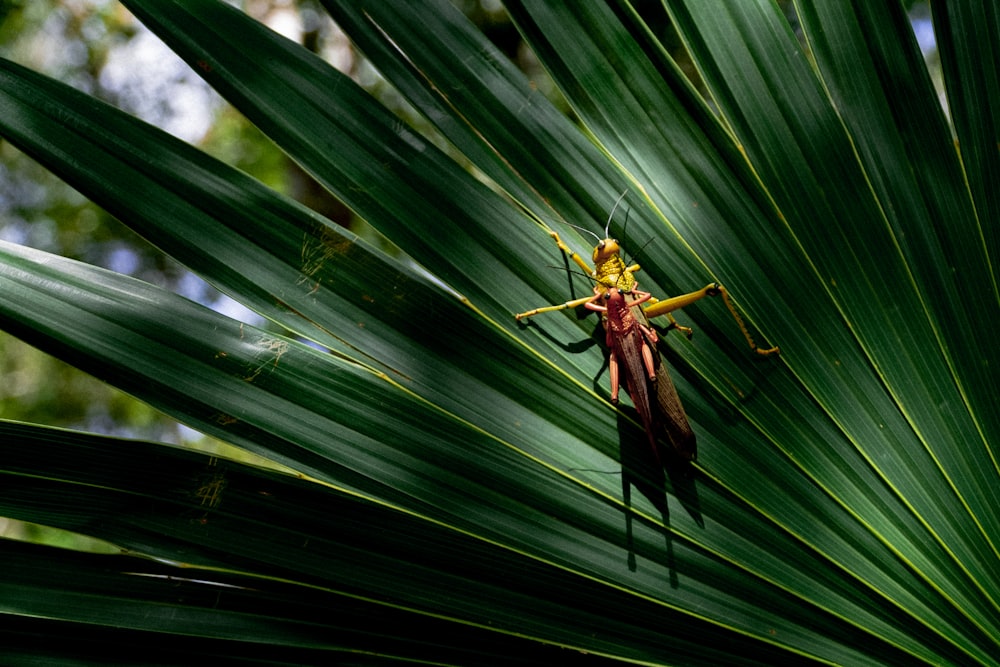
[{"x": 670, "y": 421}]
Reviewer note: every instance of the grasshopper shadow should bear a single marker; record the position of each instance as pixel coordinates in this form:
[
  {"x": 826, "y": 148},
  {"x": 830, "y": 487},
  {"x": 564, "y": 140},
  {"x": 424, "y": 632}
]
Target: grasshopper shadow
[
  {"x": 759, "y": 377},
  {"x": 641, "y": 468},
  {"x": 650, "y": 473},
  {"x": 576, "y": 347}
]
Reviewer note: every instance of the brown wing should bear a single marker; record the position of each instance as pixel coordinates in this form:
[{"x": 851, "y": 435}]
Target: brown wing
[
  {"x": 671, "y": 422},
  {"x": 667, "y": 412},
  {"x": 628, "y": 350}
]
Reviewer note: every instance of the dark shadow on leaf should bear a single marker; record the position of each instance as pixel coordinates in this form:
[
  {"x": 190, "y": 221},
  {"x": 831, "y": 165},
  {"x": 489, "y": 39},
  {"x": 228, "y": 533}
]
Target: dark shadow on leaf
[
  {"x": 573, "y": 348},
  {"x": 743, "y": 393},
  {"x": 648, "y": 472}
]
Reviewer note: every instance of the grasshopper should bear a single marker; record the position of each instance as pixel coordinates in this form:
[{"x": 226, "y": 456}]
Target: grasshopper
[{"x": 632, "y": 341}]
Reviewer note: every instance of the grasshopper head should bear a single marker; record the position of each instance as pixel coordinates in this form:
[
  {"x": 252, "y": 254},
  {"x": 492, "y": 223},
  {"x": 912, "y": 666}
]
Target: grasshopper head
[
  {"x": 606, "y": 250},
  {"x": 614, "y": 300}
]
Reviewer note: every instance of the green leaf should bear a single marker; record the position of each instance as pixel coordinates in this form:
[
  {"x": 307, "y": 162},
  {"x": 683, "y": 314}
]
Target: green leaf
[
  {"x": 968, "y": 39},
  {"x": 748, "y": 80},
  {"x": 358, "y": 565},
  {"x": 318, "y": 281},
  {"x": 345, "y": 425}
]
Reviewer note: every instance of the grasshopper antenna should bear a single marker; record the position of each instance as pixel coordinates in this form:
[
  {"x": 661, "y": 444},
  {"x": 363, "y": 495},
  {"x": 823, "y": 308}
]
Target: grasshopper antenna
[
  {"x": 572, "y": 272},
  {"x": 613, "y": 208},
  {"x": 606, "y": 227},
  {"x": 625, "y": 226},
  {"x": 625, "y": 235},
  {"x": 641, "y": 249},
  {"x": 582, "y": 229}
]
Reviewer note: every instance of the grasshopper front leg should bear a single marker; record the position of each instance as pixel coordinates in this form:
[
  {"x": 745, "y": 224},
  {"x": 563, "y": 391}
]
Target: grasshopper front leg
[
  {"x": 579, "y": 261},
  {"x": 547, "y": 309}
]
